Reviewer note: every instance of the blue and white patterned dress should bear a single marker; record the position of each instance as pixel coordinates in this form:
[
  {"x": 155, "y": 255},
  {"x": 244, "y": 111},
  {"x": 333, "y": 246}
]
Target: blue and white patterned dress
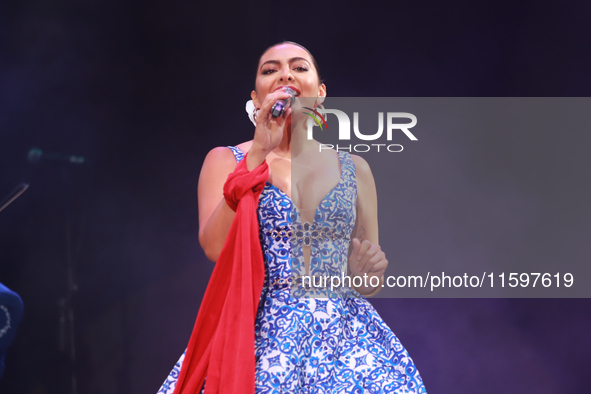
[{"x": 318, "y": 345}]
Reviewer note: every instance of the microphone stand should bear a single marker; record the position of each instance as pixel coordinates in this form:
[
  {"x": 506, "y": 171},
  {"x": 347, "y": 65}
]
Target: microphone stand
[
  {"x": 67, "y": 340},
  {"x": 67, "y": 332}
]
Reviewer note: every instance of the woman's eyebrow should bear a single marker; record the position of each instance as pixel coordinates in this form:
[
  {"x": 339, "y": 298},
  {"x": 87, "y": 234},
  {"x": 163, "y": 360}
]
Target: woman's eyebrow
[{"x": 293, "y": 59}]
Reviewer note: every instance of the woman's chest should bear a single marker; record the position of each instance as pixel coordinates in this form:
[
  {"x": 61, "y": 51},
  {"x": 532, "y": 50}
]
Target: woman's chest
[{"x": 306, "y": 181}]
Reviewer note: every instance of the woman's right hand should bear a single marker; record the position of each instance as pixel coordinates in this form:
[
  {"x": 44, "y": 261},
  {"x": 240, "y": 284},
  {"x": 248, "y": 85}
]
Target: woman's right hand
[{"x": 269, "y": 131}]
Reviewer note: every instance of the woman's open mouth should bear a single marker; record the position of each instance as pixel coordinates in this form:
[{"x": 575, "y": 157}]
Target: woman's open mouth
[{"x": 291, "y": 87}]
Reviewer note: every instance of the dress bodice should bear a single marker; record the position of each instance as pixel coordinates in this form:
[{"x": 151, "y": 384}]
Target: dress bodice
[{"x": 283, "y": 235}]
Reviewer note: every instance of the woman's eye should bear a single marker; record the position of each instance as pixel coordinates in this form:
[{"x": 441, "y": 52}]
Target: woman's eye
[
  {"x": 301, "y": 68},
  {"x": 269, "y": 71}
]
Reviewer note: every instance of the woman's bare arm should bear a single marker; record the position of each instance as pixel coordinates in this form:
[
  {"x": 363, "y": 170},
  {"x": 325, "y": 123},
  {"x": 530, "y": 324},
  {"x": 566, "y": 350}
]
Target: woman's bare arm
[
  {"x": 215, "y": 216},
  {"x": 366, "y": 255}
]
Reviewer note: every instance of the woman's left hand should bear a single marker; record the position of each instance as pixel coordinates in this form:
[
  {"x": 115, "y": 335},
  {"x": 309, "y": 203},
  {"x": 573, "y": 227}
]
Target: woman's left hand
[{"x": 367, "y": 258}]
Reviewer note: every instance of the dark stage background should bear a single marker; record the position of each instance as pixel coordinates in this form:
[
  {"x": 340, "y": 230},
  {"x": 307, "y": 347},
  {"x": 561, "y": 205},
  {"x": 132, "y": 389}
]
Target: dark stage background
[{"x": 145, "y": 89}]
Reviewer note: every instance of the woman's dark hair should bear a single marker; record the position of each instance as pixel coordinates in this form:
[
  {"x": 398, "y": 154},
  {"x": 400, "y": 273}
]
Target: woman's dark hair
[{"x": 320, "y": 81}]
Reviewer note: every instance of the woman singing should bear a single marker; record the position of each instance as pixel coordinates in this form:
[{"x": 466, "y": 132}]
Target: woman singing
[{"x": 315, "y": 213}]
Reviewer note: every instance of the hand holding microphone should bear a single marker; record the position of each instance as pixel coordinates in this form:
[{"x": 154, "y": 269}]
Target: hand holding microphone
[{"x": 271, "y": 123}]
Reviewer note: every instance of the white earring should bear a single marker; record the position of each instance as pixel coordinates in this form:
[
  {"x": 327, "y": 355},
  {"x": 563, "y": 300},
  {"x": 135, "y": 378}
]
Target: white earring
[{"x": 251, "y": 110}]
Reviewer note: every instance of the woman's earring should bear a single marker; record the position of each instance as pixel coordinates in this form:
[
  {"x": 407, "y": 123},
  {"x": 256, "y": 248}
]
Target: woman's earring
[{"x": 254, "y": 114}]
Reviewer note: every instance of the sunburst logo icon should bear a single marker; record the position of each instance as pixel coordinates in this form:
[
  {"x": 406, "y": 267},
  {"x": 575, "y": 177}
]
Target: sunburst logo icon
[{"x": 315, "y": 115}]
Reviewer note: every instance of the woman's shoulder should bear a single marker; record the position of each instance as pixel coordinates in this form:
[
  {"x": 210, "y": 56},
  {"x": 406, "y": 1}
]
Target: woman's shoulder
[
  {"x": 363, "y": 173},
  {"x": 224, "y": 155},
  {"x": 361, "y": 165}
]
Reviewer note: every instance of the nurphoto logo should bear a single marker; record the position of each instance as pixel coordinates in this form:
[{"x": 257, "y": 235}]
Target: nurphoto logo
[
  {"x": 314, "y": 116},
  {"x": 345, "y": 130}
]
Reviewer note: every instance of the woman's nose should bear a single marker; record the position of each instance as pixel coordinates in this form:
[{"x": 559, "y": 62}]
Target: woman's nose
[{"x": 286, "y": 75}]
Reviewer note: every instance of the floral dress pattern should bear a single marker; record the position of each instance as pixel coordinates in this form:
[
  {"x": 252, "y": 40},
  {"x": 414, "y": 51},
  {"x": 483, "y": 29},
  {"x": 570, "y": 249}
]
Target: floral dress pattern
[{"x": 310, "y": 345}]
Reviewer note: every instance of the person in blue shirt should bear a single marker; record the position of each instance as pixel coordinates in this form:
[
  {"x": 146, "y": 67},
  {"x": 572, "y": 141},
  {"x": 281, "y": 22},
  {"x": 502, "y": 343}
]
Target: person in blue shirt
[{"x": 11, "y": 313}]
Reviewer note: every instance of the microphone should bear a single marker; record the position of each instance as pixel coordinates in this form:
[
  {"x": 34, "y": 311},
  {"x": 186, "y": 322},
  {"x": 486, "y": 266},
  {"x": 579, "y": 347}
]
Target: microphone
[
  {"x": 282, "y": 105},
  {"x": 36, "y": 155}
]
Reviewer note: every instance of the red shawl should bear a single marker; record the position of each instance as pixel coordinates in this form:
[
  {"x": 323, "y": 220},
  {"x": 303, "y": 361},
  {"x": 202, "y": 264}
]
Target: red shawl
[{"x": 222, "y": 343}]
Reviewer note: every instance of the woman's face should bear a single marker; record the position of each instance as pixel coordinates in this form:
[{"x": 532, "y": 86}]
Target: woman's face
[{"x": 286, "y": 65}]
